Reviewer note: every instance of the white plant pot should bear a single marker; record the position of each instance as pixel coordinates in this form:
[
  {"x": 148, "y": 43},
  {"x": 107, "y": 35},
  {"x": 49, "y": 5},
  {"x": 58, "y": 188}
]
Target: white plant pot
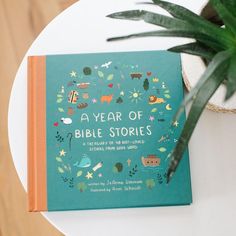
[{"x": 193, "y": 68}]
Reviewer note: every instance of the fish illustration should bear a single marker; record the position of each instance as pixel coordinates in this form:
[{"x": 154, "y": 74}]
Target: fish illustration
[{"x": 84, "y": 163}]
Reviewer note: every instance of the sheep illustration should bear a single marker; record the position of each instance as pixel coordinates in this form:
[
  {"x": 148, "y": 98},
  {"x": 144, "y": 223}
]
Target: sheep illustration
[{"x": 66, "y": 121}]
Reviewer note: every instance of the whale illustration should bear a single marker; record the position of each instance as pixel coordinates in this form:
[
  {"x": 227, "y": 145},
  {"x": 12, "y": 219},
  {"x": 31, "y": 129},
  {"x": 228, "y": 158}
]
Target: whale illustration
[{"x": 84, "y": 163}]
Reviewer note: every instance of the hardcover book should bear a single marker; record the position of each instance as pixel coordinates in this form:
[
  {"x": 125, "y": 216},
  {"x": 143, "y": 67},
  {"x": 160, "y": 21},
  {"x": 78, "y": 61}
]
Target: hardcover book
[{"x": 100, "y": 131}]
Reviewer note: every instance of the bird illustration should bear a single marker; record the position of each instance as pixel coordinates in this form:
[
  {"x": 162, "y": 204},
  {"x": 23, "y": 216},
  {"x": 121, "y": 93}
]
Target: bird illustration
[{"x": 106, "y": 64}]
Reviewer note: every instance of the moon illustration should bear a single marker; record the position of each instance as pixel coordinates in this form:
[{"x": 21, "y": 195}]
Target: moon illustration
[{"x": 168, "y": 107}]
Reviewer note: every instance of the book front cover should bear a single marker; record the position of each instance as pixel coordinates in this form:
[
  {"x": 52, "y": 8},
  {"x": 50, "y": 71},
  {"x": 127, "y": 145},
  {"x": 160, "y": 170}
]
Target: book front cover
[{"x": 109, "y": 130}]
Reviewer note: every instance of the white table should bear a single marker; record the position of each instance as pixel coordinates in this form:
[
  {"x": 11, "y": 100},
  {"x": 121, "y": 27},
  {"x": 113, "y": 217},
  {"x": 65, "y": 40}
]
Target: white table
[{"x": 84, "y": 28}]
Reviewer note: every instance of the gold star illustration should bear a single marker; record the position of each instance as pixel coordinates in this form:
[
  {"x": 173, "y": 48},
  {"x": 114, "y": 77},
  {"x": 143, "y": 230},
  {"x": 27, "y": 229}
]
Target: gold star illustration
[
  {"x": 129, "y": 162},
  {"x": 89, "y": 175},
  {"x": 73, "y": 73},
  {"x": 62, "y": 153},
  {"x": 176, "y": 123}
]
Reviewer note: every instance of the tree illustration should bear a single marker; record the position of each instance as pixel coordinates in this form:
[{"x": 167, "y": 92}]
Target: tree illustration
[
  {"x": 81, "y": 186},
  {"x": 119, "y": 100},
  {"x": 150, "y": 183},
  {"x": 87, "y": 70},
  {"x": 146, "y": 84}
]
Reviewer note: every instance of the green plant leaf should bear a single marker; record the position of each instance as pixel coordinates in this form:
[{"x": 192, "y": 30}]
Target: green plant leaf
[
  {"x": 60, "y": 109},
  {"x": 58, "y": 159},
  {"x": 150, "y": 17},
  {"x": 60, "y": 170},
  {"x": 228, "y": 19},
  {"x": 79, "y": 173},
  {"x": 209, "y": 13},
  {"x": 210, "y": 40},
  {"x": 231, "y": 76},
  {"x": 199, "y": 23},
  {"x": 154, "y": 110},
  {"x": 197, "y": 49},
  {"x": 166, "y": 22},
  {"x": 185, "y": 14},
  {"x": 167, "y": 95},
  {"x": 59, "y": 96},
  {"x": 185, "y": 20},
  {"x": 100, "y": 74},
  {"x": 110, "y": 77},
  {"x": 59, "y": 100},
  {"x": 162, "y": 149},
  {"x": 230, "y": 5},
  {"x": 178, "y": 11},
  {"x": 199, "y": 103},
  {"x": 216, "y": 62}
]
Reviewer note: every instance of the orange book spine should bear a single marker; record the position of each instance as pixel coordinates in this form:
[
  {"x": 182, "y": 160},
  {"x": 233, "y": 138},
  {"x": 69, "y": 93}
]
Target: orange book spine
[{"x": 37, "y": 174}]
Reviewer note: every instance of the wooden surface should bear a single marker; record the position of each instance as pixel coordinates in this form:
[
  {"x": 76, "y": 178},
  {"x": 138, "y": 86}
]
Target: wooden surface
[{"x": 20, "y": 23}]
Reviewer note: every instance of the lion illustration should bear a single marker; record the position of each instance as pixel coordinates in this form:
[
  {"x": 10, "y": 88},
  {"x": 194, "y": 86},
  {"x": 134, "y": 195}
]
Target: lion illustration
[{"x": 153, "y": 99}]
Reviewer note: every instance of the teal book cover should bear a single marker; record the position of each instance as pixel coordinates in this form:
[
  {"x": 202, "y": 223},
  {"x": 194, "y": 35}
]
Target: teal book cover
[{"x": 100, "y": 131}]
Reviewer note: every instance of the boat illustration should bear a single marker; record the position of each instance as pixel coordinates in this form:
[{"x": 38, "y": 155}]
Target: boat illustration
[{"x": 151, "y": 160}]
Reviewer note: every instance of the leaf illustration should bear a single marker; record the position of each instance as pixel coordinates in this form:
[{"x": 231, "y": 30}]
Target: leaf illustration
[
  {"x": 59, "y": 96},
  {"x": 110, "y": 77},
  {"x": 154, "y": 110},
  {"x": 162, "y": 149},
  {"x": 166, "y": 91},
  {"x": 58, "y": 159},
  {"x": 100, "y": 74},
  {"x": 59, "y": 100},
  {"x": 79, "y": 173},
  {"x": 60, "y": 109},
  {"x": 167, "y": 95},
  {"x": 60, "y": 170}
]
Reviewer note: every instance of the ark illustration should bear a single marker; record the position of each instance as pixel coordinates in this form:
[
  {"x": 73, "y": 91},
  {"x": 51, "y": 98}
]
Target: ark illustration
[{"x": 151, "y": 160}]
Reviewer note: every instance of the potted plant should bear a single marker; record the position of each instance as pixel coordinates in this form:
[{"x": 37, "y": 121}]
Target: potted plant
[
  {"x": 215, "y": 43},
  {"x": 194, "y": 66}
]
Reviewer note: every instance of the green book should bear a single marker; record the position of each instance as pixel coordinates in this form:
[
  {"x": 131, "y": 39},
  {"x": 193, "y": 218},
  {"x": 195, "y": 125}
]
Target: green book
[{"x": 100, "y": 131}]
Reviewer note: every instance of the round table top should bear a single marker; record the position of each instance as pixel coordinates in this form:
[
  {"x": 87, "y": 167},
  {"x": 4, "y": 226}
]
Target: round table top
[{"x": 84, "y": 28}]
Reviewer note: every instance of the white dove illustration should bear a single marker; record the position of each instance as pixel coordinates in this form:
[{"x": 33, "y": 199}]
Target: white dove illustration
[{"x": 106, "y": 64}]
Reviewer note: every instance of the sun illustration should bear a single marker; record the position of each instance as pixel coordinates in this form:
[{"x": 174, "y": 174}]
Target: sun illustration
[{"x": 135, "y": 95}]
